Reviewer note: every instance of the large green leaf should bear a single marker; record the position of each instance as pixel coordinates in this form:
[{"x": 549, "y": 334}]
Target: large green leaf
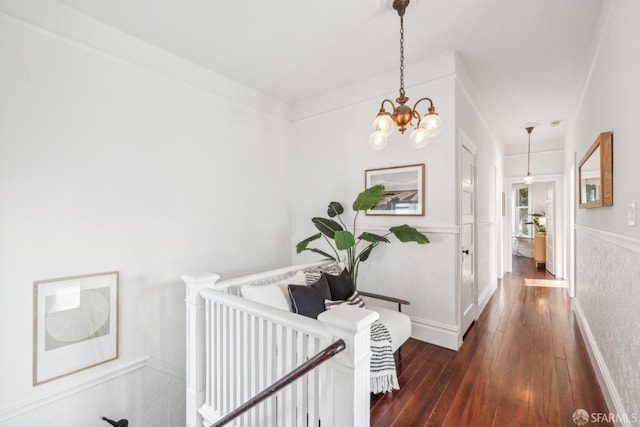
[
  {"x": 368, "y": 198},
  {"x": 323, "y": 253},
  {"x": 328, "y": 227},
  {"x": 334, "y": 209},
  {"x": 372, "y": 238},
  {"x": 344, "y": 240},
  {"x": 302, "y": 245},
  {"x": 404, "y": 233},
  {"x": 364, "y": 255}
]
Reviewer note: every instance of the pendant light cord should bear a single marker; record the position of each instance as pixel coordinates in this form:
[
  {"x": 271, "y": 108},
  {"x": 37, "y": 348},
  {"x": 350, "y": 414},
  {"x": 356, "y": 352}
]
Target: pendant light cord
[
  {"x": 529, "y": 156},
  {"x": 401, "y": 56}
]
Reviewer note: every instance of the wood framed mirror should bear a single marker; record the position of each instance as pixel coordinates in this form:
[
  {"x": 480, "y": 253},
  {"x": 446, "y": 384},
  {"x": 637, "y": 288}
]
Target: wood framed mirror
[{"x": 595, "y": 173}]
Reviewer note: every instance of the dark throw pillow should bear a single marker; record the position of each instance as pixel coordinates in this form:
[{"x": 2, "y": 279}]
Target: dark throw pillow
[
  {"x": 341, "y": 287},
  {"x": 309, "y": 300}
]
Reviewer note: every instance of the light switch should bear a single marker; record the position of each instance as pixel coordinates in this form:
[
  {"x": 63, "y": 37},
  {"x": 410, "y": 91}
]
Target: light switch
[{"x": 631, "y": 215}]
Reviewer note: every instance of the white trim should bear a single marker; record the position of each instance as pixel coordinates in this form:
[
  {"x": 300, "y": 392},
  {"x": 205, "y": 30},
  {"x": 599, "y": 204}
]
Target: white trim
[
  {"x": 594, "y": 54},
  {"x": 110, "y": 43},
  {"x": 516, "y": 179},
  {"x": 167, "y": 368},
  {"x": 559, "y": 215},
  {"x": 611, "y": 396},
  {"x": 630, "y": 243},
  {"x": 483, "y": 300},
  {"x": 434, "y": 69},
  {"x": 436, "y": 229},
  {"x": 466, "y": 316},
  {"x": 55, "y": 395},
  {"x": 561, "y": 151},
  {"x": 463, "y": 79},
  {"x": 436, "y": 333}
]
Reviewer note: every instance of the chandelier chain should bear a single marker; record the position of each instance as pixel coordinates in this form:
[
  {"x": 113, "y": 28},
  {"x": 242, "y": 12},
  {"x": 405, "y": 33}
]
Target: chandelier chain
[{"x": 401, "y": 56}]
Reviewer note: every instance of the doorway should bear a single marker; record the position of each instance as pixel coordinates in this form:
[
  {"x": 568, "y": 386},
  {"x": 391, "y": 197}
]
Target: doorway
[
  {"x": 548, "y": 196},
  {"x": 468, "y": 295}
]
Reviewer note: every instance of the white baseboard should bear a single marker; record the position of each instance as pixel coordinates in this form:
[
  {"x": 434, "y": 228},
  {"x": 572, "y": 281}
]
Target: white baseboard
[
  {"x": 485, "y": 297},
  {"x": 436, "y": 333},
  {"x": 611, "y": 396}
]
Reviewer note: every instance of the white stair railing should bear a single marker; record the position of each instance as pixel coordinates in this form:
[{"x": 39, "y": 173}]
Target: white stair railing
[{"x": 236, "y": 348}]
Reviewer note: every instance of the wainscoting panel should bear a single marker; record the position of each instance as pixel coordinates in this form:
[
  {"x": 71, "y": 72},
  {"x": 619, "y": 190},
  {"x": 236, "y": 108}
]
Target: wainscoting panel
[
  {"x": 608, "y": 299},
  {"x": 146, "y": 392}
]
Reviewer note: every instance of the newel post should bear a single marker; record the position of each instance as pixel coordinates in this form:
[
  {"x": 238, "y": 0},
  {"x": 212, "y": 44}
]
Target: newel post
[
  {"x": 350, "y": 396},
  {"x": 195, "y": 369}
]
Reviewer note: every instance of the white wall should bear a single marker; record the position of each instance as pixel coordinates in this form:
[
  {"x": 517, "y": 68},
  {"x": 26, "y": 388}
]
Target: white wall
[
  {"x": 332, "y": 153},
  {"x": 538, "y": 193},
  {"x": 115, "y": 155},
  {"x": 143, "y": 395},
  {"x": 489, "y": 167},
  {"x": 111, "y": 164},
  {"x": 607, "y": 249},
  {"x": 543, "y": 163}
]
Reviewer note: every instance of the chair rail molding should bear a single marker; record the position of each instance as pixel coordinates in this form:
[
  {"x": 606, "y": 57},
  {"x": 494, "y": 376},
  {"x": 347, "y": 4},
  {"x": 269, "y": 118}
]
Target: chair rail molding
[{"x": 630, "y": 243}]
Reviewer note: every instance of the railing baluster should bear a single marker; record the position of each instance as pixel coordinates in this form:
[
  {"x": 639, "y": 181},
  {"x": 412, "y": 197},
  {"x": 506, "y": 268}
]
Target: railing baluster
[
  {"x": 252, "y": 366},
  {"x": 280, "y": 370},
  {"x": 289, "y": 378},
  {"x": 300, "y": 386},
  {"x": 288, "y": 366},
  {"x": 207, "y": 350},
  {"x": 271, "y": 365},
  {"x": 218, "y": 357},
  {"x": 261, "y": 348},
  {"x": 246, "y": 348},
  {"x": 222, "y": 353}
]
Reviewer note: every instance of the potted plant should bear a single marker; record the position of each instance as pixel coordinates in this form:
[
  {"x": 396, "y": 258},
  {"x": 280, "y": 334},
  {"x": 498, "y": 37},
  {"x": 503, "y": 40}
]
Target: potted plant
[
  {"x": 538, "y": 220},
  {"x": 342, "y": 238}
]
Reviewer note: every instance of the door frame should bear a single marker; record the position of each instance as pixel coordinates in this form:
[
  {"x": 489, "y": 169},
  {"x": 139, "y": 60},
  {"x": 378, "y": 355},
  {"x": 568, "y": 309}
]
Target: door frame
[
  {"x": 464, "y": 142},
  {"x": 559, "y": 217}
]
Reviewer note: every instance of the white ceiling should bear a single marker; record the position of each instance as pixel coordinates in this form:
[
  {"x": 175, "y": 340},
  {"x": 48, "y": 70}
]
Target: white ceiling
[{"x": 528, "y": 59}]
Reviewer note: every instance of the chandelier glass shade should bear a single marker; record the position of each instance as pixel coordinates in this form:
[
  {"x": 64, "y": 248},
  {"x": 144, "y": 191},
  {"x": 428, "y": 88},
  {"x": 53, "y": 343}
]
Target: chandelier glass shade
[{"x": 401, "y": 115}]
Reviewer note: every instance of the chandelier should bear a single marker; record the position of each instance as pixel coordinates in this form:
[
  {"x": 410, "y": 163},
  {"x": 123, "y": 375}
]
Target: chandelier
[
  {"x": 402, "y": 115},
  {"x": 528, "y": 179}
]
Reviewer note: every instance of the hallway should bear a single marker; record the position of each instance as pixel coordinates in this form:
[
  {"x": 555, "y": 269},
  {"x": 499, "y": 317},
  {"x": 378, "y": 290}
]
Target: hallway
[{"x": 523, "y": 363}]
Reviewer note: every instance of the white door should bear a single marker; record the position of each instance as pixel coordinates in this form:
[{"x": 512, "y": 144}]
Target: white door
[
  {"x": 468, "y": 292},
  {"x": 550, "y": 225}
]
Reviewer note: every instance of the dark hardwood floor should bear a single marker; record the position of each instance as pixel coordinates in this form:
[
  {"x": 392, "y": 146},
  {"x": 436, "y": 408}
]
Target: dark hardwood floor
[{"x": 523, "y": 363}]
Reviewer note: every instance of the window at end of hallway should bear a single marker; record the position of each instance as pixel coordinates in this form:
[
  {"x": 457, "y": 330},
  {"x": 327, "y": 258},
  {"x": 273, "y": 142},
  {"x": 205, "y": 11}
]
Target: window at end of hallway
[{"x": 521, "y": 214}]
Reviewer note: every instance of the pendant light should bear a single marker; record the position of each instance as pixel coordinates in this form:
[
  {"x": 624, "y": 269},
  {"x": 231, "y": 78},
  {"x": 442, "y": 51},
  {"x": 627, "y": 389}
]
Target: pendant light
[
  {"x": 401, "y": 115},
  {"x": 528, "y": 179}
]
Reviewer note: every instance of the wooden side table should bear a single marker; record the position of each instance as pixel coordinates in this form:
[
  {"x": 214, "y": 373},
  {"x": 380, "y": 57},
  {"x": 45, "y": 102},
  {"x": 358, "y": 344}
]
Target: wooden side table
[{"x": 540, "y": 249}]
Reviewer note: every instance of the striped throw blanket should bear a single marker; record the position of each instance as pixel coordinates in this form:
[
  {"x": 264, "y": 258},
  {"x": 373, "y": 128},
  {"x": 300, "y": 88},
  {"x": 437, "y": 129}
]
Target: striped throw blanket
[{"x": 383, "y": 365}]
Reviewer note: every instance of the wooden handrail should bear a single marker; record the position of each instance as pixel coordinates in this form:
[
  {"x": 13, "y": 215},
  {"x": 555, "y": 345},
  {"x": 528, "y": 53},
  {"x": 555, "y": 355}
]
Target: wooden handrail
[
  {"x": 307, "y": 366},
  {"x": 398, "y": 301}
]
